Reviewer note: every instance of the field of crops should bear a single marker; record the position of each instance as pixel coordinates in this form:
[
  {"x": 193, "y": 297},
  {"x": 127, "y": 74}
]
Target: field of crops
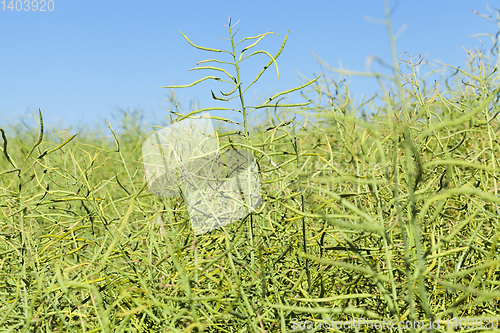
[{"x": 385, "y": 216}]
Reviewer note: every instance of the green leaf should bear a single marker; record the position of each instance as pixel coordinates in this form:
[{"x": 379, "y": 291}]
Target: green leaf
[
  {"x": 269, "y": 63},
  {"x": 215, "y": 69},
  {"x": 294, "y": 89},
  {"x": 218, "y": 98},
  {"x": 273, "y": 60},
  {"x": 198, "y": 81},
  {"x": 201, "y": 47},
  {"x": 260, "y": 38}
]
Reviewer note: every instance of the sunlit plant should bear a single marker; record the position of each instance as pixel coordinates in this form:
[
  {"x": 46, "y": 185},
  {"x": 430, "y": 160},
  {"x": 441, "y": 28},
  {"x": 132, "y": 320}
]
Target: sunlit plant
[
  {"x": 238, "y": 86},
  {"x": 237, "y": 91}
]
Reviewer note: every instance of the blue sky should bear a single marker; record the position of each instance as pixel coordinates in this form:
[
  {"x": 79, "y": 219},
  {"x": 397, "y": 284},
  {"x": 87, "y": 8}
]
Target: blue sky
[{"x": 84, "y": 60}]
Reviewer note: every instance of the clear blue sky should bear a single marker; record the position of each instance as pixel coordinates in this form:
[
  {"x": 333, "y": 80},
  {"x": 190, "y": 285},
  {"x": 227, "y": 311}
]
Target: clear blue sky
[{"x": 84, "y": 60}]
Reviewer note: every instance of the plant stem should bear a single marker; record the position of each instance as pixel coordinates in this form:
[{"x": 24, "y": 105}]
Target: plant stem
[{"x": 240, "y": 92}]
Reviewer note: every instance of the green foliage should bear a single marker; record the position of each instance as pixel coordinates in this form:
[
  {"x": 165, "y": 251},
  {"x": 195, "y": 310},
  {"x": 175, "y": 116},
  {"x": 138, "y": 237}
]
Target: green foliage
[
  {"x": 235, "y": 80},
  {"x": 392, "y": 216}
]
